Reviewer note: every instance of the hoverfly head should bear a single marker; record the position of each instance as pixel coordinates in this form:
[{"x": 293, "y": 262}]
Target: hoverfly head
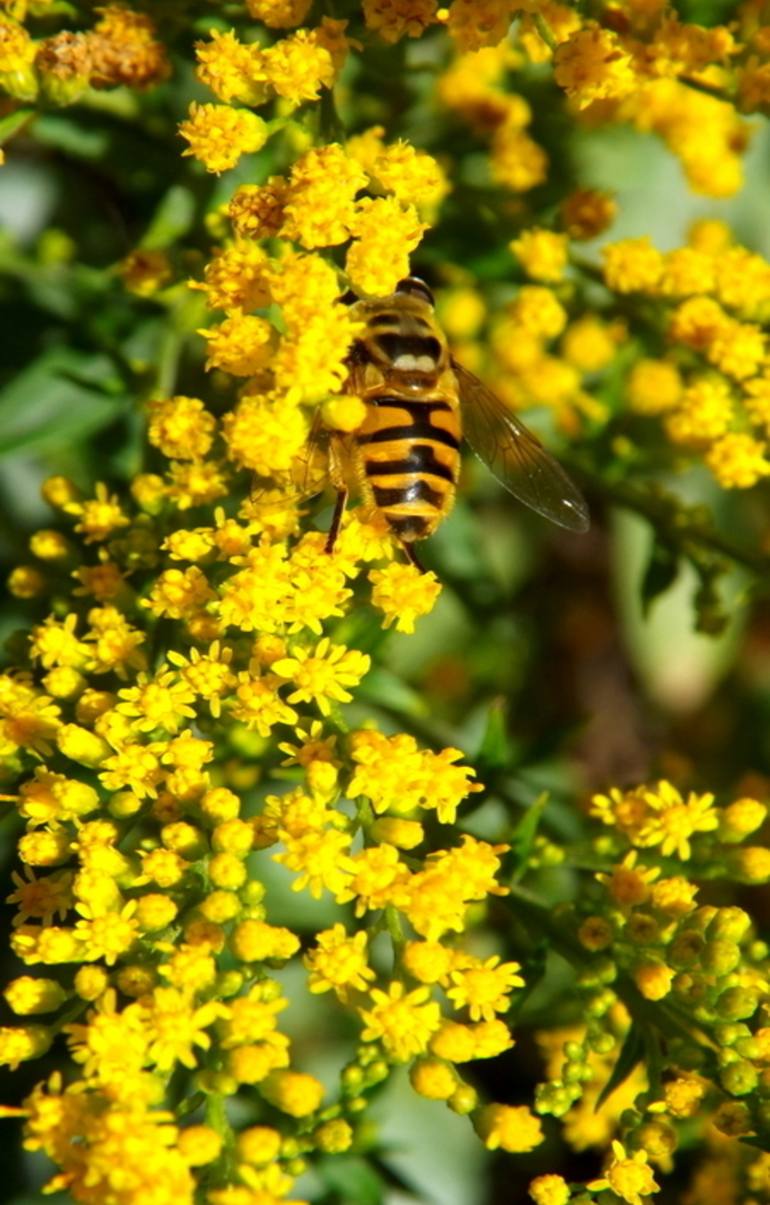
[{"x": 414, "y": 287}]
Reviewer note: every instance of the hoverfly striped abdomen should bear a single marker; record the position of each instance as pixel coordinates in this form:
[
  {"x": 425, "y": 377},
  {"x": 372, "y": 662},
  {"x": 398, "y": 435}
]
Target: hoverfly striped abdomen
[
  {"x": 410, "y": 457},
  {"x": 409, "y": 444}
]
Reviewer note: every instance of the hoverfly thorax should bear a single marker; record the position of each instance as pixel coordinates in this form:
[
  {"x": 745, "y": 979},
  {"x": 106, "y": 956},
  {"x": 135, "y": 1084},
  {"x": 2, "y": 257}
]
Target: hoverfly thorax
[
  {"x": 403, "y": 340},
  {"x": 419, "y": 401}
]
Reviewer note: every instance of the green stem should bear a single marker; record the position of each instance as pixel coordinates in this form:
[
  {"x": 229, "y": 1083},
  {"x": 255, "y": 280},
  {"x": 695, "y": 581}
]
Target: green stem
[
  {"x": 545, "y": 31},
  {"x": 663, "y": 1017},
  {"x": 671, "y": 519}
]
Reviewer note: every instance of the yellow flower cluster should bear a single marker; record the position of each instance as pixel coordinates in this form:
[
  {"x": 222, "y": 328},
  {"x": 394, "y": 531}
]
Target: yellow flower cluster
[
  {"x": 121, "y": 48},
  {"x": 650, "y": 940},
  {"x": 682, "y": 81},
  {"x": 141, "y": 898},
  {"x": 711, "y": 387}
]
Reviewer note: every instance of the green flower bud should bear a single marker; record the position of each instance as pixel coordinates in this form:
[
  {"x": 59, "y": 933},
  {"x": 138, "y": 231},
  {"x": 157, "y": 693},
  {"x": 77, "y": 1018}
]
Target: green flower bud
[
  {"x": 728, "y": 1035},
  {"x": 656, "y": 1137},
  {"x": 686, "y": 948},
  {"x": 690, "y": 987},
  {"x": 602, "y": 1043},
  {"x": 720, "y": 957},
  {"x": 739, "y": 1078},
  {"x": 574, "y": 1051},
  {"x": 464, "y": 1100},
  {"x": 733, "y": 1118},
  {"x": 729, "y": 924},
  {"x": 352, "y": 1078},
  {"x": 737, "y": 1003}
]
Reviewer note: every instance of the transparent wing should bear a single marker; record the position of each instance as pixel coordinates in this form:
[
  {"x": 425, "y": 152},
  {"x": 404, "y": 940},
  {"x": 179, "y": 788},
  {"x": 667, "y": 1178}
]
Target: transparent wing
[
  {"x": 307, "y": 476},
  {"x": 516, "y": 457}
]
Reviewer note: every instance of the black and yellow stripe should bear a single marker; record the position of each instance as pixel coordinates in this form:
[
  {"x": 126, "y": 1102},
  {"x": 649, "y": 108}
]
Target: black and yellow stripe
[
  {"x": 408, "y": 448},
  {"x": 410, "y": 459}
]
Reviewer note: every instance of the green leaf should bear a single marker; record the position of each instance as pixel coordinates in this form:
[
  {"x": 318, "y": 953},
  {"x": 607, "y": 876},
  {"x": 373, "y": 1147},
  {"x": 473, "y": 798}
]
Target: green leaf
[
  {"x": 352, "y": 1180},
  {"x": 495, "y": 749},
  {"x": 382, "y": 688},
  {"x": 661, "y": 572},
  {"x": 523, "y": 835},
  {"x": 60, "y": 397},
  {"x": 13, "y": 122},
  {"x": 66, "y": 134},
  {"x": 631, "y": 1054},
  {"x": 172, "y": 219}
]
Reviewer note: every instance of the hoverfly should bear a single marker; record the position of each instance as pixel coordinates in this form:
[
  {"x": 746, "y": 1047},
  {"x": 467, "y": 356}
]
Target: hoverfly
[{"x": 420, "y": 403}]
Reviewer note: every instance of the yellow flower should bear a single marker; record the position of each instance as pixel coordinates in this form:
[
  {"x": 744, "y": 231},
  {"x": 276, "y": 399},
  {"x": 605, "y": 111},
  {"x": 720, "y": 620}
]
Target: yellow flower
[
  {"x": 199, "y": 1145},
  {"x": 181, "y": 427},
  {"x": 653, "y": 979},
  {"x": 176, "y": 1025},
  {"x": 516, "y": 160},
  {"x": 549, "y": 1190},
  {"x": 586, "y": 212},
  {"x": 738, "y": 349},
  {"x": 395, "y": 19},
  {"x": 483, "y": 987},
  {"x": 293, "y": 1093},
  {"x": 28, "y": 996},
  {"x": 704, "y": 411},
  {"x": 542, "y": 254},
  {"x": 279, "y": 14},
  {"x": 255, "y": 941},
  {"x": 257, "y": 210},
  {"x": 654, "y": 386},
  {"x": 502, "y": 1127},
  {"x": 477, "y": 23},
  {"x": 219, "y": 135},
  {"x": 240, "y": 345},
  {"x": 98, "y": 517},
  {"x": 236, "y": 278},
  {"x": 403, "y": 1021},
  {"x": 20, "y": 1043},
  {"x": 322, "y": 674},
  {"x": 738, "y": 460},
  {"x": 298, "y": 67},
  {"x": 412, "y": 176},
  {"x": 257, "y": 704},
  {"x": 628, "y": 1176},
  {"x": 403, "y": 593},
  {"x": 632, "y": 265},
  {"x": 264, "y": 434},
  {"x": 339, "y": 962},
  {"x": 592, "y": 64},
  {"x": 432, "y": 1079},
  {"x": 385, "y": 233},
  {"x": 232, "y": 70},
  {"x": 319, "y": 210},
  {"x": 672, "y": 820},
  {"x": 144, "y": 271}
]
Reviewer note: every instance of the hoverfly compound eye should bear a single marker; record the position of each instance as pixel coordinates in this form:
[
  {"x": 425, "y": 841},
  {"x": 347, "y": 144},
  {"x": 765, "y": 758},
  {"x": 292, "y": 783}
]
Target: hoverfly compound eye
[
  {"x": 416, "y": 288},
  {"x": 348, "y": 298}
]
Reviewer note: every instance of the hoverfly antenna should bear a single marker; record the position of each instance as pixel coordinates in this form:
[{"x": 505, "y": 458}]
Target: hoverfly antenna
[
  {"x": 417, "y": 288},
  {"x": 348, "y": 297}
]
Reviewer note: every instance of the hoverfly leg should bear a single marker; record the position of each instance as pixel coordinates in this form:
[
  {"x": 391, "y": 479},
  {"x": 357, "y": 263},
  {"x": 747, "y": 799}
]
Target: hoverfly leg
[
  {"x": 339, "y": 510},
  {"x": 412, "y": 557}
]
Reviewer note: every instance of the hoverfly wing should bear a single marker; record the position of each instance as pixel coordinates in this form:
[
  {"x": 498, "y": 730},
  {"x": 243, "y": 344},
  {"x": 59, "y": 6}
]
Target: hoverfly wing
[
  {"x": 307, "y": 476},
  {"x": 516, "y": 457}
]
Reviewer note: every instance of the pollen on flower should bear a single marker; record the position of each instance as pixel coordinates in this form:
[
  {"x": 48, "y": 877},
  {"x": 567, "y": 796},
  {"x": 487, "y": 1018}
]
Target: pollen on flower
[
  {"x": 396, "y": 19},
  {"x": 403, "y": 594},
  {"x": 219, "y": 135},
  {"x": 503, "y": 1127},
  {"x": 403, "y": 1021}
]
